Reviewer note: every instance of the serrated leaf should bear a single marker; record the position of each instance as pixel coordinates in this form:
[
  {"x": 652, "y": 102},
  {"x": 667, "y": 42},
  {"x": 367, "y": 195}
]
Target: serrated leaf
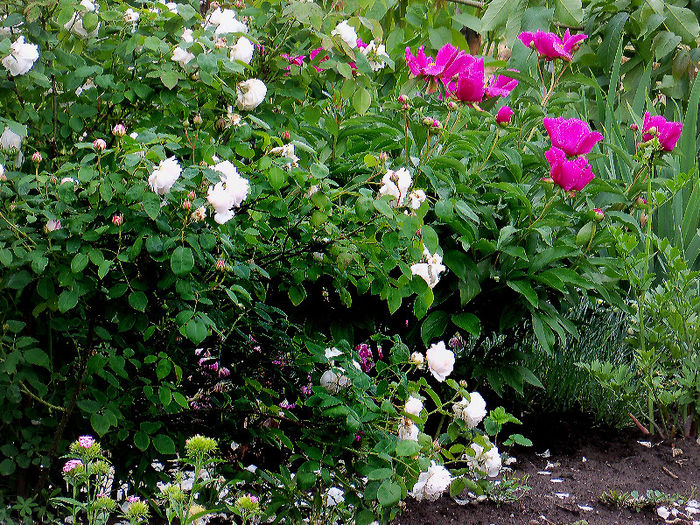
[{"x": 389, "y": 493}]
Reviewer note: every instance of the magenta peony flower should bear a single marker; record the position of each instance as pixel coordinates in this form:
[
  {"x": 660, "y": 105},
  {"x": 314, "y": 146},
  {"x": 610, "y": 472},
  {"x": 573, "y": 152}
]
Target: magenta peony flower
[
  {"x": 569, "y": 174},
  {"x": 504, "y": 114},
  {"x": 668, "y": 132},
  {"x": 501, "y": 86},
  {"x": 449, "y": 61},
  {"x": 313, "y": 54},
  {"x": 470, "y": 84},
  {"x": 550, "y": 46},
  {"x": 573, "y": 136},
  {"x": 418, "y": 63}
]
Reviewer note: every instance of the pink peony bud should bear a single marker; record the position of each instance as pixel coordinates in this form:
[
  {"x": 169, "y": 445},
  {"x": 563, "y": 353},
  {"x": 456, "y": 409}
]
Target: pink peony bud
[
  {"x": 186, "y": 205},
  {"x": 598, "y": 214},
  {"x": 640, "y": 202},
  {"x": 36, "y": 157},
  {"x": 54, "y": 180},
  {"x": 118, "y": 220},
  {"x": 504, "y": 115},
  {"x": 119, "y": 130},
  {"x": 197, "y": 120},
  {"x": 403, "y": 99},
  {"x": 428, "y": 121},
  {"x": 634, "y": 127},
  {"x": 99, "y": 145}
]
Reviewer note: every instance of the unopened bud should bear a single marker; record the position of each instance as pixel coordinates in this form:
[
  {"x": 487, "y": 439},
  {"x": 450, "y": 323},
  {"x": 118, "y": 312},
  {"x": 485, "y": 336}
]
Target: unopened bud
[
  {"x": 437, "y": 124},
  {"x": 643, "y": 219},
  {"x": 571, "y": 194},
  {"x": 285, "y": 135},
  {"x": 192, "y": 195},
  {"x": 417, "y": 359},
  {"x": 640, "y": 202},
  {"x": 403, "y": 99},
  {"x": 220, "y": 123},
  {"x": 428, "y": 121},
  {"x": 119, "y": 130},
  {"x": 383, "y": 156},
  {"x": 634, "y": 127},
  {"x": 404, "y": 107},
  {"x": 548, "y": 180},
  {"x": 463, "y": 383},
  {"x": 452, "y": 105},
  {"x": 99, "y": 145},
  {"x": 186, "y": 205},
  {"x": 197, "y": 120},
  {"x": 36, "y": 157},
  {"x": 220, "y": 43},
  {"x": 221, "y": 265},
  {"x": 118, "y": 220},
  {"x": 598, "y": 214}
]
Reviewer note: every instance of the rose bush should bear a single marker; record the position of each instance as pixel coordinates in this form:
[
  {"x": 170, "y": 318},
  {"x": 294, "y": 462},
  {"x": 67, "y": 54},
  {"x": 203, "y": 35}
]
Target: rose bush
[{"x": 260, "y": 236}]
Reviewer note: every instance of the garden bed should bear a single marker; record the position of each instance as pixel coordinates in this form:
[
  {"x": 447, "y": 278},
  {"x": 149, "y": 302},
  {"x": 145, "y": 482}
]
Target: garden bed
[{"x": 589, "y": 462}]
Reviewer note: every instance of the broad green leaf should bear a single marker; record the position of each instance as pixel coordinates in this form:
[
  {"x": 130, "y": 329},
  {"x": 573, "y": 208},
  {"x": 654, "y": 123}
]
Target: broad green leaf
[
  {"x": 164, "y": 444},
  {"x": 525, "y": 288},
  {"x": 389, "y": 493},
  {"x": 469, "y": 322},
  {"x": 182, "y": 261},
  {"x": 568, "y": 12}
]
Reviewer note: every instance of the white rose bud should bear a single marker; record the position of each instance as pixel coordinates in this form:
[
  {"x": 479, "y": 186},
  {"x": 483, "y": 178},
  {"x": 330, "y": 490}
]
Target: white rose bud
[
  {"x": 413, "y": 406},
  {"x": 417, "y": 359}
]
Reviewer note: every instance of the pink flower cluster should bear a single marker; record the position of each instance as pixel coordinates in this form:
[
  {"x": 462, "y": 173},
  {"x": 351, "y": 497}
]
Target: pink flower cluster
[
  {"x": 462, "y": 75},
  {"x": 205, "y": 361},
  {"x": 71, "y": 464},
  {"x": 668, "y": 132},
  {"x": 570, "y": 138},
  {"x": 550, "y": 45},
  {"x": 86, "y": 441}
]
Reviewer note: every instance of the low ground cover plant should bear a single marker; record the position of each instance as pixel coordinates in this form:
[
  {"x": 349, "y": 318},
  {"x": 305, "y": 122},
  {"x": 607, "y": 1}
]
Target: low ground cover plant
[{"x": 304, "y": 233}]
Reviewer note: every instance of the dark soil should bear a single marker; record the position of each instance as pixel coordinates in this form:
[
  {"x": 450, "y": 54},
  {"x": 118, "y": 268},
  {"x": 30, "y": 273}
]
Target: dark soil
[{"x": 588, "y": 461}]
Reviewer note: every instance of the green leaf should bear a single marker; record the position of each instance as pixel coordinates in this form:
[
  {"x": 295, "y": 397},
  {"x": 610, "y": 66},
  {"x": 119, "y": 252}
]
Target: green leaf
[
  {"x": 169, "y": 78},
  {"x": 297, "y": 294},
  {"x": 165, "y": 395},
  {"x": 683, "y": 22},
  {"x": 568, "y": 12},
  {"x": 496, "y": 14},
  {"x": 525, "y": 288},
  {"x": 164, "y": 444},
  {"x": 361, "y": 101},
  {"x": 163, "y": 369},
  {"x": 434, "y": 326},
  {"x": 151, "y": 204},
  {"x": 67, "y": 300},
  {"x": 100, "y": 423},
  {"x": 196, "y": 331},
  {"x": 141, "y": 440},
  {"x": 182, "y": 261},
  {"x": 380, "y": 473},
  {"x": 430, "y": 238},
  {"x": 468, "y": 322},
  {"x": 389, "y": 493},
  {"x": 36, "y": 356},
  {"x": 407, "y": 447},
  {"x": 138, "y": 301}
]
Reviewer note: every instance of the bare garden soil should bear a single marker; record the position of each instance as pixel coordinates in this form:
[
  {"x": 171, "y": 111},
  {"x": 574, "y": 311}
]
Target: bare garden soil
[{"x": 569, "y": 466}]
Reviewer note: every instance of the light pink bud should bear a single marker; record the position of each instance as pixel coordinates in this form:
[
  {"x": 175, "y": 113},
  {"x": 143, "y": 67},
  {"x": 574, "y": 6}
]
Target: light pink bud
[
  {"x": 220, "y": 43},
  {"x": 220, "y": 265},
  {"x": 52, "y": 225},
  {"x": 119, "y": 130},
  {"x": 192, "y": 195},
  {"x": 383, "y": 156},
  {"x": 640, "y": 202},
  {"x": 634, "y": 127},
  {"x": 186, "y": 205},
  {"x": 36, "y": 157},
  {"x": 99, "y": 145},
  {"x": 54, "y": 180},
  {"x": 428, "y": 121},
  {"x": 118, "y": 220},
  {"x": 285, "y": 135},
  {"x": 197, "y": 119},
  {"x": 403, "y": 99}
]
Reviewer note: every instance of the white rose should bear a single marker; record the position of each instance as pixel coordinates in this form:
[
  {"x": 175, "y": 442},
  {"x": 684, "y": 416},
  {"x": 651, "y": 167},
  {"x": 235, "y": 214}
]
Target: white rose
[
  {"x": 334, "y": 381},
  {"x": 226, "y": 22},
  {"x": 75, "y": 24},
  {"x": 396, "y": 184},
  {"x": 417, "y": 197},
  {"x": 472, "y": 412},
  {"x": 332, "y": 353},
  {"x": 408, "y": 430},
  {"x": 10, "y": 141},
  {"x": 131, "y": 16},
  {"x": 21, "y": 58},
  {"x": 188, "y": 36},
  {"x": 230, "y": 192},
  {"x": 417, "y": 359},
  {"x": 346, "y": 32},
  {"x": 164, "y": 176},
  {"x": 172, "y": 6},
  {"x": 181, "y": 56},
  {"x": 251, "y": 93},
  {"x": 52, "y": 225},
  {"x": 334, "y": 496},
  {"x": 432, "y": 484},
  {"x": 242, "y": 50},
  {"x": 441, "y": 361},
  {"x": 375, "y": 55},
  {"x": 488, "y": 462},
  {"x": 430, "y": 270},
  {"x": 413, "y": 406}
]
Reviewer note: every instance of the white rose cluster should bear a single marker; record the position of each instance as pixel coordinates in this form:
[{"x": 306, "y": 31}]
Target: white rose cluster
[
  {"x": 396, "y": 183},
  {"x": 471, "y": 412},
  {"x": 408, "y": 430},
  {"x": 346, "y": 33},
  {"x": 164, "y": 176},
  {"x": 250, "y": 94},
  {"x": 182, "y": 56},
  {"x": 225, "y": 21},
  {"x": 488, "y": 461},
  {"x": 75, "y": 24},
  {"x": 228, "y": 193},
  {"x": 430, "y": 269},
  {"x": 334, "y": 381},
  {"x": 21, "y": 58},
  {"x": 432, "y": 484}
]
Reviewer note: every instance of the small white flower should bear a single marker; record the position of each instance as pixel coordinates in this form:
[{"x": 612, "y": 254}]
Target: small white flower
[
  {"x": 164, "y": 176},
  {"x": 52, "y": 225},
  {"x": 75, "y": 24},
  {"x": 472, "y": 412},
  {"x": 287, "y": 151},
  {"x": 172, "y": 6},
  {"x": 408, "y": 430},
  {"x": 226, "y": 22},
  {"x": 396, "y": 183},
  {"x": 333, "y": 352},
  {"x": 187, "y": 36},
  {"x": 131, "y": 16},
  {"x": 334, "y": 496},
  {"x": 199, "y": 214},
  {"x": 417, "y": 359},
  {"x": 417, "y": 197},
  {"x": 413, "y": 406},
  {"x": 181, "y": 56},
  {"x": 429, "y": 270},
  {"x": 375, "y": 55},
  {"x": 10, "y": 141},
  {"x": 242, "y": 50},
  {"x": 432, "y": 484},
  {"x": 441, "y": 361},
  {"x": 347, "y": 33},
  {"x": 250, "y": 93},
  {"x": 21, "y": 58}
]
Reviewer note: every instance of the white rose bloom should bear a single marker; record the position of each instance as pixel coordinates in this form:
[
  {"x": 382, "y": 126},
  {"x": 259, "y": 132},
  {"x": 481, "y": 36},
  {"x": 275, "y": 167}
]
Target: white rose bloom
[
  {"x": 396, "y": 184},
  {"x": 334, "y": 496},
  {"x": 429, "y": 270},
  {"x": 227, "y": 194},
  {"x": 413, "y": 406},
  {"x": 172, "y": 6},
  {"x": 347, "y": 33},
  {"x": 417, "y": 197},
  {"x": 417, "y": 359},
  {"x": 334, "y": 381},
  {"x": 441, "y": 361},
  {"x": 251, "y": 93},
  {"x": 2, "y": 173},
  {"x": 10, "y": 141},
  {"x": 489, "y": 461},
  {"x": 164, "y": 176},
  {"x": 21, "y": 58},
  {"x": 242, "y": 50},
  {"x": 181, "y": 56},
  {"x": 131, "y": 16},
  {"x": 408, "y": 430},
  {"x": 188, "y": 36},
  {"x": 75, "y": 24},
  {"x": 432, "y": 484},
  {"x": 375, "y": 55},
  {"x": 333, "y": 352},
  {"x": 226, "y": 22},
  {"x": 287, "y": 151},
  {"x": 52, "y": 225},
  {"x": 472, "y": 412}
]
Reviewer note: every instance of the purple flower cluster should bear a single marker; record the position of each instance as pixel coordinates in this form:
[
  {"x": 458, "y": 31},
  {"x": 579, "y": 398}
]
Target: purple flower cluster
[
  {"x": 206, "y": 363},
  {"x": 365, "y": 354},
  {"x": 72, "y": 464}
]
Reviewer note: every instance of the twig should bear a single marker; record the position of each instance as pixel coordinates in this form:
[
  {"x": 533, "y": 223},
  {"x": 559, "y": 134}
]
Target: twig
[
  {"x": 667, "y": 471},
  {"x": 639, "y": 425}
]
